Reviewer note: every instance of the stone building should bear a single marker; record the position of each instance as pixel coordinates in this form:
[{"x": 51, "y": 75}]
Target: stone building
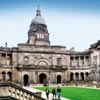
[{"x": 38, "y": 62}]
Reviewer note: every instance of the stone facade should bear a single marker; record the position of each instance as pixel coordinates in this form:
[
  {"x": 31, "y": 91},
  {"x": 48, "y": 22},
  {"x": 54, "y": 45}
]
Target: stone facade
[{"x": 38, "y": 62}]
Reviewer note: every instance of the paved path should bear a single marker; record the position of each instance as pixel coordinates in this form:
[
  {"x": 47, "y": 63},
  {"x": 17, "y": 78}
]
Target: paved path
[{"x": 43, "y": 93}]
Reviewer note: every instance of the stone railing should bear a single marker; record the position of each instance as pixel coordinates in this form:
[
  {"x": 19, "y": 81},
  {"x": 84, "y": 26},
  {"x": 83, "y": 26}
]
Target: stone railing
[
  {"x": 17, "y": 93},
  {"x": 79, "y": 68}
]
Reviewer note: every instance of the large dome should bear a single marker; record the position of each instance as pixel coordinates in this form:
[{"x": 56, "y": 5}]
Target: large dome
[{"x": 38, "y": 19}]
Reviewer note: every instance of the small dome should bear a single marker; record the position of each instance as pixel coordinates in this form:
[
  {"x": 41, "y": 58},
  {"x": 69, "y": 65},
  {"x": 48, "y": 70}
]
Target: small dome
[{"x": 38, "y": 19}]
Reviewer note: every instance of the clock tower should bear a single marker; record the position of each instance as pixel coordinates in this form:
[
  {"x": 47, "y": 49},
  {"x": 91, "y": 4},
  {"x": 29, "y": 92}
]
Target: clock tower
[{"x": 38, "y": 32}]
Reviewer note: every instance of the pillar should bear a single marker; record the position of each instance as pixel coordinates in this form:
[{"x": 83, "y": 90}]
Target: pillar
[
  {"x": 79, "y": 77},
  {"x": 74, "y": 60},
  {"x": 83, "y": 61},
  {"x": 84, "y": 76},
  {"x": 7, "y": 76},
  {"x": 79, "y": 62},
  {"x": 74, "y": 78}
]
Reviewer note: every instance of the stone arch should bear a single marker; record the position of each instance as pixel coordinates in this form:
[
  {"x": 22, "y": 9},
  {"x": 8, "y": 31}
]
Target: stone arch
[
  {"x": 82, "y": 76},
  {"x": 77, "y": 76},
  {"x": 71, "y": 76},
  {"x": 59, "y": 79},
  {"x": 41, "y": 61},
  {"x": 42, "y": 78},
  {"x": 3, "y": 75},
  {"x": 26, "y": 79},
  {"x": 9, "y": 74}
]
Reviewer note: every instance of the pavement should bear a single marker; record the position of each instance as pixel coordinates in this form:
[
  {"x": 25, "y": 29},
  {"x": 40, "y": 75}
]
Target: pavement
[{"x": 43, "y": 93}]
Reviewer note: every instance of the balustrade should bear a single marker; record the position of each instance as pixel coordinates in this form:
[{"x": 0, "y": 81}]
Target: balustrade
[{"x": 18, "y": 92}]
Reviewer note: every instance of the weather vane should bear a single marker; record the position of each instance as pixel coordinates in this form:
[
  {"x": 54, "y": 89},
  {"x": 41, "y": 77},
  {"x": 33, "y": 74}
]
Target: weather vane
[{"x": 38, "y": 4}]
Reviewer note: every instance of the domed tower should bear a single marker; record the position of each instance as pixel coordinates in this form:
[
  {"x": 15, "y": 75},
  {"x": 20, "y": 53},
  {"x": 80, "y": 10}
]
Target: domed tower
[{"x": 38, "y": 33}]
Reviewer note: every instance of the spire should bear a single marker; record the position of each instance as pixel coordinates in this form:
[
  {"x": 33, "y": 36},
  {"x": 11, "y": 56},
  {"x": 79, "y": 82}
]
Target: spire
[{"x": 38, "y": 10}]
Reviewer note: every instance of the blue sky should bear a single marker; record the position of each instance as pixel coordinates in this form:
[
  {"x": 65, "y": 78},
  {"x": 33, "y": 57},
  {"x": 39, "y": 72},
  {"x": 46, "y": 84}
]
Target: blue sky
[{"x": 72, "y": 23}]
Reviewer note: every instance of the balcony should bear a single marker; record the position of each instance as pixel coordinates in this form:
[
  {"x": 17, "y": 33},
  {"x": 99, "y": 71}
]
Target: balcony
[{"x": 79, "y": 68}]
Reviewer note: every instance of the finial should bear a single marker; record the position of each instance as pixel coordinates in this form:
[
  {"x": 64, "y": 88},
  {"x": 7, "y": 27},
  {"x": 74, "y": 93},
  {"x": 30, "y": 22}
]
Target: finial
[{"x": 38, "y": 10}]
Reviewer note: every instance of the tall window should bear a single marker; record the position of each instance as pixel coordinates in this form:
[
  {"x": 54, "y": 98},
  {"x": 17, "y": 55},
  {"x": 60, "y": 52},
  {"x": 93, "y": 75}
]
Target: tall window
[{"x": 26, "y": 60}]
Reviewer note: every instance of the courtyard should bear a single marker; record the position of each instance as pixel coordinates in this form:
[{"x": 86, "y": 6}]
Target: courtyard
[{"x": 77, "y": 93}]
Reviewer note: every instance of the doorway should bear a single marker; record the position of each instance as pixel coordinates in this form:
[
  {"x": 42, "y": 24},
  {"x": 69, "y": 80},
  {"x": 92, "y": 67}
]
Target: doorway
[
  {"x": 26, "y": 79},
  {"x": 42, "y": 78},
  {"x": 58, "y": 79}
]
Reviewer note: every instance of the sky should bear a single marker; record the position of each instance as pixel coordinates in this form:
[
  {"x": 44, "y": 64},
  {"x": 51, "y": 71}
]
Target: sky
[{"x": 71, "y": 23}]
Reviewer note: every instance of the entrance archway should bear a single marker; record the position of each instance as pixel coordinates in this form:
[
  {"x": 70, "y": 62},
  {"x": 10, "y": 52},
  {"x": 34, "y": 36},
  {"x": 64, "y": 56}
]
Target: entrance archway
[
  {"x": 58, "y": 79},
  {"x": 26, "y": 79},
  {"x": 42, "y": 78},
  {"x": 76, "y": 76},
  {"x": 82, "y": 76}
]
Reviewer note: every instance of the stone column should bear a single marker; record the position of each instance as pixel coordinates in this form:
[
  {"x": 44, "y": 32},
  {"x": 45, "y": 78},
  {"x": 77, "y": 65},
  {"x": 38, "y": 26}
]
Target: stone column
[
  {"x": 74, "y": 60},
  {"x": 0, "y": 58},
  {"x": 36, "y": 77},
  {"x": 79, "y": 77},
  {"x": 79, "y": 62},
  {"x": 74, "y": 78},
  {"x": 84, "y": 61},
  {"x": 7, "y": 76},
  {"x": 84, "y": 76},
  {"x": 99, "y": 75}
]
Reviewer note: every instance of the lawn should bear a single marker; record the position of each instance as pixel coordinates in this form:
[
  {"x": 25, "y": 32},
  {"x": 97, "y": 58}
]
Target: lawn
[{"x": 76, "y": 93}]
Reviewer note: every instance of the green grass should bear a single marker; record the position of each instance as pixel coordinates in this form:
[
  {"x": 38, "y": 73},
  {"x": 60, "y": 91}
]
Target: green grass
[{"x": 76, "y": 93}]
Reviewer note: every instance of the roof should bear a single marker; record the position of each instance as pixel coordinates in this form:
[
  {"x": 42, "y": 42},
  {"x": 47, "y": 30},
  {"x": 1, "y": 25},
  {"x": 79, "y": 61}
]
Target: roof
[{"x": 38, "y": 18}]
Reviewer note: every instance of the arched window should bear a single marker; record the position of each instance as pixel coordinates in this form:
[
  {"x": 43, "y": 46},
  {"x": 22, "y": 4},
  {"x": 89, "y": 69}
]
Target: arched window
[{"x": 26, "y": 60}]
